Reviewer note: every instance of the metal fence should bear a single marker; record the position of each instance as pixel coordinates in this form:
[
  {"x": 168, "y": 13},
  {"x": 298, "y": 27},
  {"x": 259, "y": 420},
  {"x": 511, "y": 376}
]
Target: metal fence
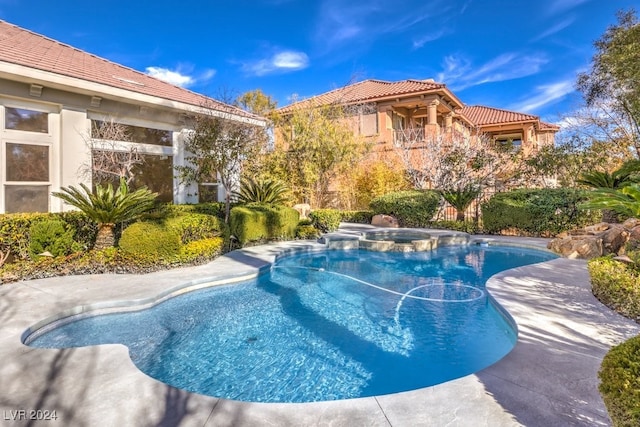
[{"x": 446, "y": 212}]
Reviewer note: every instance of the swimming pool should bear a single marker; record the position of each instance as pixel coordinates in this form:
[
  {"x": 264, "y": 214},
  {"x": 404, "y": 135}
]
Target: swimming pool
[{"x": 321, "y": 326}]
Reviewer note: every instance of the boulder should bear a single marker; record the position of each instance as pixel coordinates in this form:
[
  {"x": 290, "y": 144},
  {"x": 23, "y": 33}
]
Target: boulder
[
  {"x": 303, "y": 209},
  {"x": 382, "y": 220},
  {"x": 597, "y": 240}
]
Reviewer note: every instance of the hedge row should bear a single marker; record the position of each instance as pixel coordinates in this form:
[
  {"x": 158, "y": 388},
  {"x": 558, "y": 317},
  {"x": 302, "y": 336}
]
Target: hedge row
[
  {"x": 540, "y": 212},
  {"x": 259, "y": 222},
  {"x": 411, "y": 208},
  {"x": 620, "y": 383},
  {"x": 616, "y": 285}
]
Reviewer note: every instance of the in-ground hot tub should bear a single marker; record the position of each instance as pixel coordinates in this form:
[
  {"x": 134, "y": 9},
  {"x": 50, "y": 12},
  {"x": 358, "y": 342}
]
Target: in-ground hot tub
[{"x": 396, "y": 240}]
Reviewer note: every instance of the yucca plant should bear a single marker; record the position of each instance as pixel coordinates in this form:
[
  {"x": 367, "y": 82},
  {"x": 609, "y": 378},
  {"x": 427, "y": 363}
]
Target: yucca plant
[
  {"x": 624, "y": 201},
  {"x": 266, "y": 191},
  {"x": 107, "y": 207},
  {"x": 460, "y": 199}
]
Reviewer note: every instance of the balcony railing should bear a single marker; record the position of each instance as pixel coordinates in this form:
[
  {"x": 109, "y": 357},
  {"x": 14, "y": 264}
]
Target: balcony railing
[{"x": 408, "y": 136}]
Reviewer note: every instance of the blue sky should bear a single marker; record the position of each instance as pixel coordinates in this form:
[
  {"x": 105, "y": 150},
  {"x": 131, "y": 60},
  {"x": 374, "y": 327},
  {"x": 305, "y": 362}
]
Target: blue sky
[{"x": 514, "y": 54}]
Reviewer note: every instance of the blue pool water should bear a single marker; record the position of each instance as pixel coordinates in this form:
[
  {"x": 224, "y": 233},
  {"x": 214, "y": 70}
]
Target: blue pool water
[{"x": 321, "y": 326}]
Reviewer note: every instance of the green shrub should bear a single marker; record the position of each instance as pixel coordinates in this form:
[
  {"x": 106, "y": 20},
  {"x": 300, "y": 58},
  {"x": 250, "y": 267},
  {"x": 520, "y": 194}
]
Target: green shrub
[
  {"x": 620, "y": 383},
  {"x": 195, "y": 226},
  {"x": 411, "y": 208},
  {"x": 255, "y": 222},
  {"x": 536, "y": 212},
  {"x": 51, "y": 236},
  {"x": 464, "y": 226},
  {"x": 201, "y": 250},
  {"x": 150, "y": 239},
  {"x": 358, "y": 217},
  {"x": 213, "y": 208},
  {"x": 307, "y": 232},
  {"x": 85, "y": 228},
  {"x": 616, "y": 285},
  {"x": 326, "y": 220}
]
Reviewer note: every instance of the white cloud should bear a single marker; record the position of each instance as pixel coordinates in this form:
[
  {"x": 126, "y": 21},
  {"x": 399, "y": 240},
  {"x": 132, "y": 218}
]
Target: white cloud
[
  {"x": 179, "y": 77},
  {"x": 279, "y": 62},
  {"x": 421, "y": 41},
  {"x": 545, "y": 95},
  {"x": 554, "y": 29},
  {"x": 459, "y": 73},
  {"x": 343, "y": 21},
  {"x": 169, "y": 76},
  {"x": 563, "y": 5}
]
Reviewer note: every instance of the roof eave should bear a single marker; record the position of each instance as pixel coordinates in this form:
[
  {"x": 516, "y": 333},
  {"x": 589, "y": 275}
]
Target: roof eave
[{"x": 21, "y": 73}]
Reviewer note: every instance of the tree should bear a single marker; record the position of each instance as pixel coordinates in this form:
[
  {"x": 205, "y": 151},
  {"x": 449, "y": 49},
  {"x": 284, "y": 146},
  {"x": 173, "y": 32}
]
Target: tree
[
  {"x": 109, "y": 160},
  {"x": 217, "y": 148},
  {"x": 453, "y": 160},
  {"x": 624, "y": 201},
  {"x": 107, "y": 207},
  {"x": 460, "y": 199},
  {"x": 317, "y": 145},
  {"x": 611, "y": 87}
]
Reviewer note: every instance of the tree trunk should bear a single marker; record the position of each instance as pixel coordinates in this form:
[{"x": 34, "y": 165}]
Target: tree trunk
[
  {"x": 106, "y": 237},
  {"x": 459, "y": 215}
]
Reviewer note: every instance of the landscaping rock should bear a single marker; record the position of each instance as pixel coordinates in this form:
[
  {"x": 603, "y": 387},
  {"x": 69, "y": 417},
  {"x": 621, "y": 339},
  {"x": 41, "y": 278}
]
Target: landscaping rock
[
  {"x": 597, "y": 240},
  {"x": 384, "y": 221},
  {"x": 303, "y": 209}
]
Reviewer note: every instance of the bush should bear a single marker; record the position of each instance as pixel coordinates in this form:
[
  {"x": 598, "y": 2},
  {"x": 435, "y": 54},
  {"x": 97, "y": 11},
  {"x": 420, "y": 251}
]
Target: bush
[
  {"x": 51, "y": 236},
  {"x": 536, "y": 212},
  {"x": 307, "y": 232},
  {"x": 195, "y": 226},
  {"x": 201, "y": 250},
  {"x": 14, "y": 230},
  {"x": 326, "y": 220},
  {"x": 213, "y": 208},
  {"x": 150, "y": 239},
  {"x": 620, "y": 383},
  {"x": 464, "y": 226},
  {"x": 256, "y": 222},
  {"x": 358, "y": 217},
  {"x": 411, "y": 208},
  {"x": 616, "y": 285}
]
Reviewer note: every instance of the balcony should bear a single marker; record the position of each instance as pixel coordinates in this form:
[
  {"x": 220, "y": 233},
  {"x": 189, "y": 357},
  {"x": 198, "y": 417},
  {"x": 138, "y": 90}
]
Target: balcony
[{"x": 408, "y": 136}]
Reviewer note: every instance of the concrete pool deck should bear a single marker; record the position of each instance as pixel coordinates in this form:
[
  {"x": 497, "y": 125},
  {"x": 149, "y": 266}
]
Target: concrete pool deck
[{"x": 549, "y": 379}]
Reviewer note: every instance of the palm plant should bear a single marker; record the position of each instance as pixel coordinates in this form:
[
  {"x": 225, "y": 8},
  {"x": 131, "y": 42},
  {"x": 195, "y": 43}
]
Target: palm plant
[
  {"x": 627, "y": 174},
  {"x": 107, "y": 207},
  {"x": 624, "y": 201},
  {"x": 266, "y": 191},
  {"x": 460, "y": 199}
]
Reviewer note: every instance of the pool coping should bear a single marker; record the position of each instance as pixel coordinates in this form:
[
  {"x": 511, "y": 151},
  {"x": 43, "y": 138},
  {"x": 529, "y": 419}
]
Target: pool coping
[{"x": 550, "y": 378}]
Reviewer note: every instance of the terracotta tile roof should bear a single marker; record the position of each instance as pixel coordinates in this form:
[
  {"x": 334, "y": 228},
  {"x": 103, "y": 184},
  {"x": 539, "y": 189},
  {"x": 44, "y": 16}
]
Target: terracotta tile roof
[
  {"x": 483, "y": 116},
  {"x": 26, "y": 48},
  {"x": 370, "y": 90},
  {"x": 548, "y": 126}
]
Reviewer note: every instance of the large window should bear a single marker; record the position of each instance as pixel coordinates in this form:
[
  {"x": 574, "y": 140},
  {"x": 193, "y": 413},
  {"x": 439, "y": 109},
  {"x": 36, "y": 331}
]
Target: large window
[
  {"x": 26, "y": 120},
  {"x": 152, "y": 171},
  {"x": 26, "y": 160},
  {"x": 121, "y": 132}
]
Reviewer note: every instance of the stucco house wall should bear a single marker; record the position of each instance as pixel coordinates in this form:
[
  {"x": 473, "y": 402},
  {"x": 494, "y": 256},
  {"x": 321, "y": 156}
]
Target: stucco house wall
[{"x": 40, "y": 76}]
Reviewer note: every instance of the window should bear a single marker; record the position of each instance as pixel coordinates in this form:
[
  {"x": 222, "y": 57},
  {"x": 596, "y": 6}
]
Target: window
[
  {"x": 121, "y": 132},
  {"x": 369, "y": 124},
  {"x": 509, "y": 144},
  {"x": 29, "y": 164},
  {"x": 26, "y": 120},
  {"x": 208, "y": 193},
  {"x": 152, "y": 171}
]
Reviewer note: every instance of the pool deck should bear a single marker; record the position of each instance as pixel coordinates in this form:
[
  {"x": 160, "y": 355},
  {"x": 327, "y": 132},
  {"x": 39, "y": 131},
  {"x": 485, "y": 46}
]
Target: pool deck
[{"x": 549, "y": 379}]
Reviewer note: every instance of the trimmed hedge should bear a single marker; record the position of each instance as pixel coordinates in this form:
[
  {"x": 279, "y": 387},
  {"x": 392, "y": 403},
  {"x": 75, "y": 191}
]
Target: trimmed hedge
[
  {"x": 616, "y": 285},
  {"x": 257, "y": 222},
  {"x": 464, "y": 226},
  {"x": 411, "y": 208},
  {"x": 325, "y": 220},
  {"x": 357, "y": 217},
  {"x": 14, "y": 230},
  {"x": 150, "y": 239},
  {"x": 195, "y": 226},
  {"x": 620, "y": 383},
  {"x": 536, "y": 212}
]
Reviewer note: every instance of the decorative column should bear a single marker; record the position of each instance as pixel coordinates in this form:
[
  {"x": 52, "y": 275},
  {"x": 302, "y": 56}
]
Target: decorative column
[{"x": 432, "y": 112}]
